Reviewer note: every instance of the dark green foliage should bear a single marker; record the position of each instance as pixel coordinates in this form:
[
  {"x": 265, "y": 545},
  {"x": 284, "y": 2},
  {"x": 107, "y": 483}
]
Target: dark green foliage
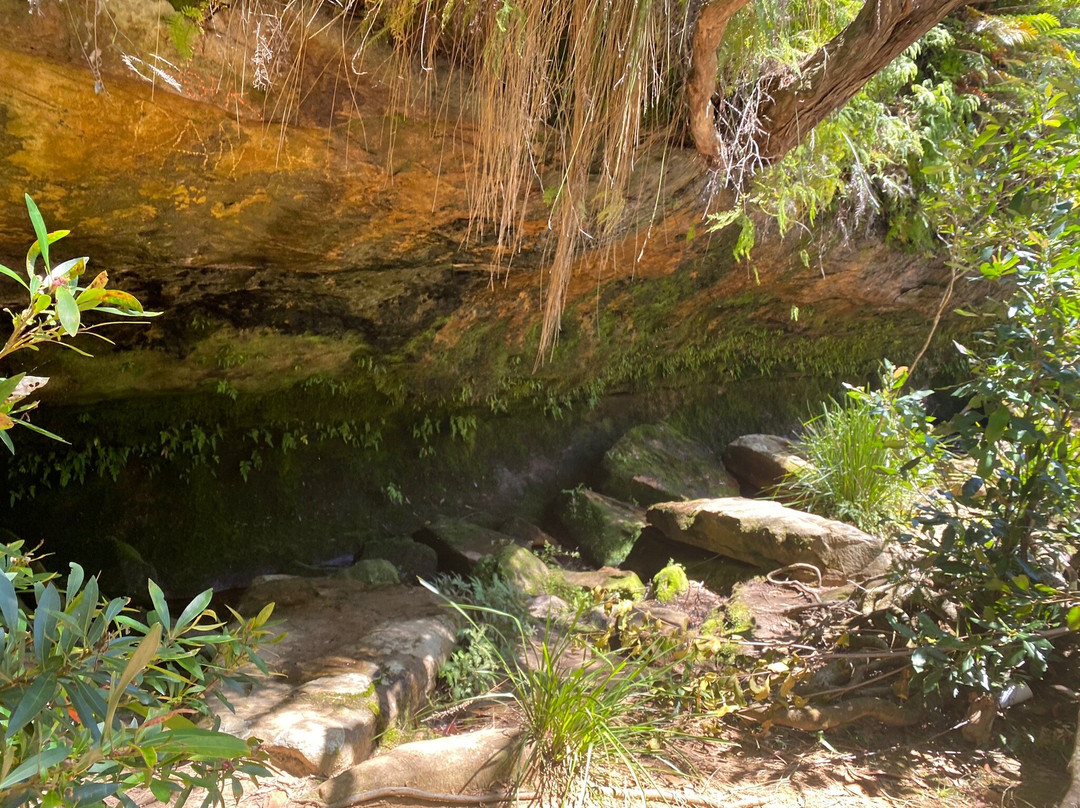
[
  {"x": 998, "y": 550},
  {"x": 94, "y": 701}
]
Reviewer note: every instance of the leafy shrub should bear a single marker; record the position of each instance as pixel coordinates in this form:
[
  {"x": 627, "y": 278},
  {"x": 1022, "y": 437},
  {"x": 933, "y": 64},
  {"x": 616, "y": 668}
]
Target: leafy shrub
[
  {"x": 475, "y": 666},
  {"x": 997, "y": 549},
  {"x": 56, "y": 303},
  {"x": 858, "y": 451},
  {"x": 94, "y": 702}
]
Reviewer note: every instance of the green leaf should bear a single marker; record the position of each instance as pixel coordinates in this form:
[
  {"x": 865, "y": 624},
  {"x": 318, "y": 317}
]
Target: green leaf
[
  {"x": 1073, "y": 618},
  {"x": 92, "y": 793},
  {"x": 199, "y": 743},
  {"x": 88, "y": 703},
  {"x": 74, "y": 581},
  {"x": 122, "y": 302},
  {"x": 40, "y": 431},
  {"x": 38, "y": 763},
  {"x": 39, "y": 228},
  {"x": 67, "y": 310},
  {"x": 45, "y": 622},
  {"x": 7, "y": 442},
  {"x": 162, "y": 790},
  {"x": 996, "y": 424},
  {"x": 140, "y": 658},
  {"x": 40, "y": 692},
  {"x": 194, "y": 609},
  {"x": 12, "y": 274},
  {"x": 33, "y": 253},
  {"x": 89, "y": 298},
  {"x": 161, "y": 606}
]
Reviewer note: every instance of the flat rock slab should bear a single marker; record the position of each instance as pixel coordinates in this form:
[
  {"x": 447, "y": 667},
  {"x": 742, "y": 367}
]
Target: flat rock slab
[
  {"x": 657, "y": 463},
  {"x": 352, "y": 661},
  {"x": 767, "y": 534},
  {"x": 472, "y": 762}
]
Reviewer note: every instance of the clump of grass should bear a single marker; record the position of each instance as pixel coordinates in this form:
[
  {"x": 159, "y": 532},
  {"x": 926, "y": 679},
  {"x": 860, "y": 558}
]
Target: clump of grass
[
  {"x": 582, "y": 709},
  {"x": 858, "y": 452},
  {"x": 853, "y": 474}
]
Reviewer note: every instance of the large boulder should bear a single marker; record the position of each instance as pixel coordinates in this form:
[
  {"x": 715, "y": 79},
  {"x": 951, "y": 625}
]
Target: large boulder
[
  {"x": 603, "y": 528},
  {"x": 656, "y": 463},
  {"x": 761, "y": 462},
  {"x": 767, "y": 534},
  {"x": 352, "y": 662}
]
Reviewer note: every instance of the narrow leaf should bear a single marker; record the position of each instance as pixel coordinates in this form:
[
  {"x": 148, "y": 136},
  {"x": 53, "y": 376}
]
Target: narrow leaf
[
  {"x": 45, "y": 621},
  {"x": 140, "y": 658},
  {"x": 12, "y": 274},
  {"x": 40, "y": 692},
  {"x": 38, "y": 763},
  {"x": 194, "y": 609},
  {"x": 74, "y": 581},
  {"x": 198, "y": 742},
  {"x": 161, "y": 606},
  {"x": 39, "y": 228}
]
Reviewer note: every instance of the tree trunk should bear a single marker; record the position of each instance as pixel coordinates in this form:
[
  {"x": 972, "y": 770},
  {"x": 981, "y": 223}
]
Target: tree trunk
[
  {"x": 1072, "y": 796},
  {"x": 793, "y": 102},
  {"x": 701, "y": 84}
]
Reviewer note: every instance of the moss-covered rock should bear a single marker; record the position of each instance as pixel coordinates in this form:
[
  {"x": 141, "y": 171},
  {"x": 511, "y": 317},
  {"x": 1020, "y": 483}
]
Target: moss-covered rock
[
  {"x": 624, "y": 583},
  {"x": 371, "y": 572},
  {"x": 657, "y": 463},
  {"x": 670, "y": 582},
  {"x": 604, "y": 528},
  {"x": 460, "y": 545},
  {"x": 525, "y": 571}
]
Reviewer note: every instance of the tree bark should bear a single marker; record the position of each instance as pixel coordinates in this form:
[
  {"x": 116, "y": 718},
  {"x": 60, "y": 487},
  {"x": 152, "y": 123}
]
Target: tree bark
[
  {"x": 701, "y": 84},
  {"x": 1072, "y": 796},
  {"x": 795, "y": 101}
]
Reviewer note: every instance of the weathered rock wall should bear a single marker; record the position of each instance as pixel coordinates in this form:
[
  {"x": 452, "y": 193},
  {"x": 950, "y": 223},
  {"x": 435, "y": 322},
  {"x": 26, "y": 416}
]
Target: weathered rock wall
[{"x": 332, "y": 339}]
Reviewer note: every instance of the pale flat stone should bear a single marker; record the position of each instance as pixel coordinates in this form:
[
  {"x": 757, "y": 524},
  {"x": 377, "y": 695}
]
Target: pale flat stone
[
  {"x": 352, "y": 661},
  {"x": 768, "y": 534}
]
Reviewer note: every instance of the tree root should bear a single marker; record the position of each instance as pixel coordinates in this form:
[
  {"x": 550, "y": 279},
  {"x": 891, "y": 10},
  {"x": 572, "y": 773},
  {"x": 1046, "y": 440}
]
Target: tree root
[
  {"x": 830, "y": 716},
  {"x": 664, "y": 795}
]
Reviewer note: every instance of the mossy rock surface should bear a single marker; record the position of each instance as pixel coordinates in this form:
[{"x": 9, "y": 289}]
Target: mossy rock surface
[
  {"x": 461, "y": 545},
  {"x": 371, "y": 572},
  {"x": 657, "y": 463},
  {"x": 670, "y": 582},
  {"x": 525, "y": 571},
  {"x": 604, "y": 528},
  {"x": 624, "y": 583}
]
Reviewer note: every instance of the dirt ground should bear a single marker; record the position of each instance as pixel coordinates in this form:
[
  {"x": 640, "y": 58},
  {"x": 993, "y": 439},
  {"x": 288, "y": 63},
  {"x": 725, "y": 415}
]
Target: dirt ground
[{"x": 860, "y": 766}]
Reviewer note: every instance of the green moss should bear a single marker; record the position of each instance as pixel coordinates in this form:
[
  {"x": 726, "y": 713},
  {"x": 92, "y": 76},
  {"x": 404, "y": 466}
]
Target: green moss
[{"x": 670, "y": 582}]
